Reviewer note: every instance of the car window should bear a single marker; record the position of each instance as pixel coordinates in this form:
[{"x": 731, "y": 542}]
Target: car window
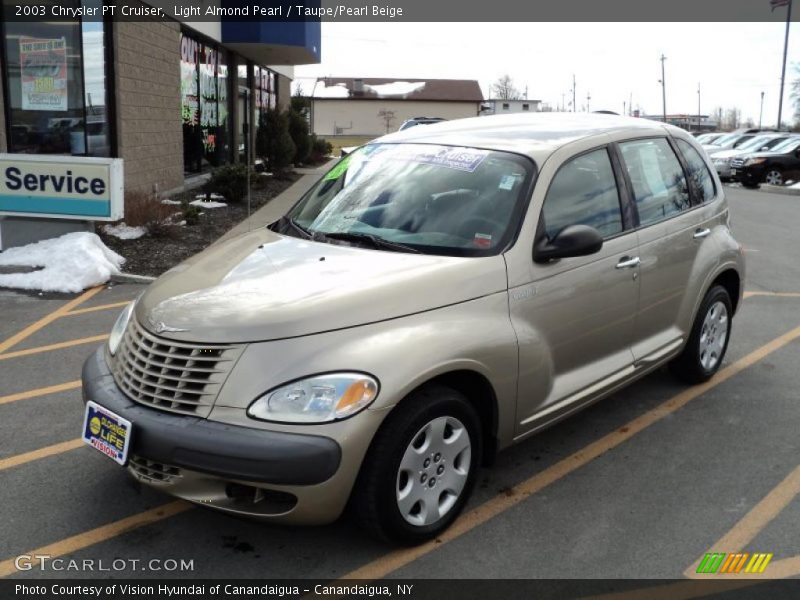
[
  {"x": 738, "y": 143},
  {"x": 659, "y": 185},
  {"x": 699, "y": 176},
  {"x": 584, "y": 192}
]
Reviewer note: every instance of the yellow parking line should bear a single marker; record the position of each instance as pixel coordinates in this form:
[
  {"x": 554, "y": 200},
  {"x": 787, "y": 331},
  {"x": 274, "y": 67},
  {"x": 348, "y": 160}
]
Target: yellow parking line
[
  {"x": 754, "y": 522},
  {"x": 83, "y": 311},
  {"x": 47, "y": 319},
  {"x": 100, "y": 534},
  {"x": 388, "y": 563},
  {"x": 52, "y": 389},
  {"x": 21, "y": 459},
  {"x": 57, "y": 346},
  {"x": 775, "y": 294}
]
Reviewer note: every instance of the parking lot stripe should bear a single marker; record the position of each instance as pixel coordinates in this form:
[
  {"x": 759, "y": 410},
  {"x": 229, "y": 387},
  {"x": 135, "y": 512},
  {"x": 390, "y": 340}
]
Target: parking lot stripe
[
  {"x": 21, "y": 459},
  {"x": 58, "y": 346},
  {"x": 100, "y": 534},
  {"x": 83, "y": 311},
  {"x": 396, "y": 559},
  {"x": 775, "y": 294},
  {"x": 52, "y": 389},
  {"x": 49, "y": 318},
  {"x": 756, "y": 519}
]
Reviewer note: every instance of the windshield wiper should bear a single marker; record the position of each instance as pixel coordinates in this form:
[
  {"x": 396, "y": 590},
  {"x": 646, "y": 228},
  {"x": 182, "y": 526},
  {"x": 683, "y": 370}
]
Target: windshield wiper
[{"x": 374, "y": 240}]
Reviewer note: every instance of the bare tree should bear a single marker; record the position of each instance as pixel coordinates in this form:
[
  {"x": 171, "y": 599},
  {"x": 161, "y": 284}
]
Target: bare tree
[
  {"x": 388, "y": 117},
  {"x": 733, "y": 118},
  {"x": 504, "y": 89}
]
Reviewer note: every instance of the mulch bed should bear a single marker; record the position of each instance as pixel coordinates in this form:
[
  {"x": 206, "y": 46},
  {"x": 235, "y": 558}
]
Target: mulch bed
[{"x": 152, "y": 255}]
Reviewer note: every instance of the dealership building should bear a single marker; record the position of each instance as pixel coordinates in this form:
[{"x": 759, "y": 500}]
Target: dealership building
[{"x": 171, "y": 99}]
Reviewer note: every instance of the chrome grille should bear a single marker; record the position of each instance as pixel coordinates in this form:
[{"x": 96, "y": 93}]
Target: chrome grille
[
  {"x": 172, "y": 376},
  {"x": 152, "y": 471},
  {"x": 737, "y": 163}
]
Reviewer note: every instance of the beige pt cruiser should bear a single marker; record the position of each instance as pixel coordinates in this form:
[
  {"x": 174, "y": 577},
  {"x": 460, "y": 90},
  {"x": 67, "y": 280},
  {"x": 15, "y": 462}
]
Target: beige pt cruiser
[{"x": 440, "y": 294}]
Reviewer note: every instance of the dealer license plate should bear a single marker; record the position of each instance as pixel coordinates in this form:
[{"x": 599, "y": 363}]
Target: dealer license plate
[{"x": 107, "y": 432}]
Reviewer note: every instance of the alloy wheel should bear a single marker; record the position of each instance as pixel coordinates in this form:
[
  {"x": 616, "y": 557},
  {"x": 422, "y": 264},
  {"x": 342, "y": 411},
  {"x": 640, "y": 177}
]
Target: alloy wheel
[
  {"x": 713, "y": 336},
  {"x": 774, "y": 177}
]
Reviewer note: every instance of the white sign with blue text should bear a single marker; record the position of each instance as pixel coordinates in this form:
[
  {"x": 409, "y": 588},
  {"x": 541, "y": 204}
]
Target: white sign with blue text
[{"x": 61, "y": 187}]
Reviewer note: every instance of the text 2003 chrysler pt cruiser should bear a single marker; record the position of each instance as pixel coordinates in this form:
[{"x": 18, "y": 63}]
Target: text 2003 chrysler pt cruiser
[{"x": 438, "y": 295}]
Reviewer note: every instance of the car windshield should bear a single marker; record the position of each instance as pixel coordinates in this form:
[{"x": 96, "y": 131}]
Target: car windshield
[
  {"x": 435, "y": 199},
  {"x": 787, "y": 145},
  {"x": 730, "y": 137},
  {"x": 755, "y": 143}
]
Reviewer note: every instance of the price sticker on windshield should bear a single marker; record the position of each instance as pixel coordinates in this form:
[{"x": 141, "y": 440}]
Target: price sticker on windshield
[{"x": 461, "y": 159}]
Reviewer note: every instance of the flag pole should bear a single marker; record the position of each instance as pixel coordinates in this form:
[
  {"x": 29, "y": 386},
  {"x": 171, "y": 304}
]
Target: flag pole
[{"x": 783, "y": 68}]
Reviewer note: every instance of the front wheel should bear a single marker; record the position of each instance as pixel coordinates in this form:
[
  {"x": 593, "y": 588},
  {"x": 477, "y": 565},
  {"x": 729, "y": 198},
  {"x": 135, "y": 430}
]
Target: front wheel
[
  {"x": 708, "y": 341},
  {"x": 421, "y": 467}
]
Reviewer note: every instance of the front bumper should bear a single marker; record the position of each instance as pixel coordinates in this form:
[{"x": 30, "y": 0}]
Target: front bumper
[{"x": 233, "y": 468}]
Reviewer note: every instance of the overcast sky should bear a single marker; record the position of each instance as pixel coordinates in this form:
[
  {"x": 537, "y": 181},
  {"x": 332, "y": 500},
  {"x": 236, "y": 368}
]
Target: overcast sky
[{"x": 733, "y": 62}]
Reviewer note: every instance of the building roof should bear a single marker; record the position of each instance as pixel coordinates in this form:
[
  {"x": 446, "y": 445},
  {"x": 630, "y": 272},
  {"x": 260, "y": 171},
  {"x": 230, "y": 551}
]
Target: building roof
[
  {"x": 371, "y": 88},
  {"x": 534, "y": 134}
]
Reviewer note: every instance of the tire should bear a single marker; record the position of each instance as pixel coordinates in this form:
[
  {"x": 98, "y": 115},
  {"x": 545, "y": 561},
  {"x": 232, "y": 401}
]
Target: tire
[
  {"x": 773, "y": 176},
  {"x": 708, "y": 341},
  {"x": 383, "y": 500}
]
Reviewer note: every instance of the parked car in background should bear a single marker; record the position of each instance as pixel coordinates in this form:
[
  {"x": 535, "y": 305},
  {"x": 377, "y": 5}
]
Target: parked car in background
[
  {"x": 775, "y": 168},
  {"x": 729, "y": 141},
  {"x": 761, "y": 143},
  {"x": 420, "y": 121},
  {"x": 708, "y": 138},
  {"x": 440, "y": 294}
]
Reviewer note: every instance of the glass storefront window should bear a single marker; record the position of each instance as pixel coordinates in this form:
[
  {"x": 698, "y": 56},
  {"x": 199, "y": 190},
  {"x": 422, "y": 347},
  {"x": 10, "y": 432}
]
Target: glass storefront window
[{"x": 55, "y": 74}]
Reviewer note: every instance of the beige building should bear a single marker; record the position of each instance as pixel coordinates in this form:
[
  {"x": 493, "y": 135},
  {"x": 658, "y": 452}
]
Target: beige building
[{"x": 373, "y": 107}]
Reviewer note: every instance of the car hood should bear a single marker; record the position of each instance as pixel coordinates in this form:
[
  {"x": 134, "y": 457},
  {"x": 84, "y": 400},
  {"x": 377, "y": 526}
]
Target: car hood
[{"x": 263, "y": 286}]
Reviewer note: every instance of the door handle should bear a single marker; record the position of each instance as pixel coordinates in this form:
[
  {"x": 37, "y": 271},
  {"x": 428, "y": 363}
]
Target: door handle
[
  {"x": 627, "y": 262},
  {"x": 701, "y": 233}
]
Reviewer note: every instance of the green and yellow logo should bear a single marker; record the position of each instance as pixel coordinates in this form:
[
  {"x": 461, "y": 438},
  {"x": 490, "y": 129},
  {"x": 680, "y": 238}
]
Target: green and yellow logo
[{"x": 721, "y": 562}]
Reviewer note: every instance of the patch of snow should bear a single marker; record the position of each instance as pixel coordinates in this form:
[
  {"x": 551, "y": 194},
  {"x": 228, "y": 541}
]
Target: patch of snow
[
  {"x": 795, "y": 186},
  {"x": 168, "y": 201},
  {"x": 205, "y": 204},
  {"x": 70, "y": 263},
  {"x": 334, "y": 91},
  {"x": 124, "y": 232},
  {"x": 396, "y": 88},
  {"x": 212, "y": 196}
]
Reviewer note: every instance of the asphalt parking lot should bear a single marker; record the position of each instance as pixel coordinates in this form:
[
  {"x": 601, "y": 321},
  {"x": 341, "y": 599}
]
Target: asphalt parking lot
[{"x": 641, "y": 485}]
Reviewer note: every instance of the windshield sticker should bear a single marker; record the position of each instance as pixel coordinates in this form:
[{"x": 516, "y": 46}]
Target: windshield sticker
[
  {"x": 482, "y": 240},
  {"x": 507, "y": 182},
  {"x": 461, "y": 159},
  {"x": 339, "y": 169}
]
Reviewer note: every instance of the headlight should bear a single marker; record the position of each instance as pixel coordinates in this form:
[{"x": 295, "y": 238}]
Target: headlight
[
  {"x": 754, "y": 161},
  {"x": 317, "y": 399},
  {"x": 119, "y": 328}
]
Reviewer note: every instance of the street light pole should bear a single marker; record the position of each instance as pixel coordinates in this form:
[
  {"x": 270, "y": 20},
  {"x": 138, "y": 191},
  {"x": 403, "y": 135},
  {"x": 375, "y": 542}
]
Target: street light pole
[
  {"x": 588, "y": 97},
  {"x": 574, "y": 108},
  {"x": 761, "y": 111},
  {"x": 783, "y": 68},
  {"x": 663, "y": 89},
  {"x": 698, "y": 106}
]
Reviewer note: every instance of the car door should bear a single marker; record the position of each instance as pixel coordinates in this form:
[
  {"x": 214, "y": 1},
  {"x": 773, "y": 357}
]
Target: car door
[
  {"x": 673, "y": 224},
  {"x": 575, "y": 316}
]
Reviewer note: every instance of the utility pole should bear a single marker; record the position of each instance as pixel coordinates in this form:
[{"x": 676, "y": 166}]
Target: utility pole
[
  {"x": 588, "y": 97},
  {"x": 663, "y": 89},
  {"x": 624, "y": 108},
  {"x": 783, "y": 68},
  {"x": 761, "y": 110},
  {"x": 574, "y": 108},
  {"x": 562, "y": 102},
  {"x": 630, "y": 104},
  {"x": 698, "y": 106}
]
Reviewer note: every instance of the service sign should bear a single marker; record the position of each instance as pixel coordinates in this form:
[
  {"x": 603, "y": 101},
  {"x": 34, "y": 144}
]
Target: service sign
[{"x": 61, "y": 187}]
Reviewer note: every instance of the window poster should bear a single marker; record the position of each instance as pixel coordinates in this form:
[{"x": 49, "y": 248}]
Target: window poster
[{"x": 43, "y": 71}]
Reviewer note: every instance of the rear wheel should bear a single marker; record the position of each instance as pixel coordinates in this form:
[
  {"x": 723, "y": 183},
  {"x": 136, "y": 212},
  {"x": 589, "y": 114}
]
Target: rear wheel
[
  {"x": 421, "y": 467},
  {"x": 774, "y": 176},
  {"x": 708, "y": 341}
]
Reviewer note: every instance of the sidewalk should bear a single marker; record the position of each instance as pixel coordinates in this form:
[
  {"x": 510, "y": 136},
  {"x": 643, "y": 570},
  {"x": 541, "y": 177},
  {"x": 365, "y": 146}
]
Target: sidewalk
[{"x": 278, "y": 206}]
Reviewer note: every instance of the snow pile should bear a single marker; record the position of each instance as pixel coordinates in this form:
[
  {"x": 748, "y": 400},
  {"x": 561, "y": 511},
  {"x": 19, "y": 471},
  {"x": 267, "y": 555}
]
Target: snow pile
[
  {"x": 124, "y": 232},
  {"x": 168, "y": 201},
  {"x": 211, "y": 196},
  {"x": 209, "y": 204},
  {"x": 795, "y": 186},
  {"x": 331, "y": 91},
  {"x": 396, "y": 88},
  {"x": 71, "y": 263}
]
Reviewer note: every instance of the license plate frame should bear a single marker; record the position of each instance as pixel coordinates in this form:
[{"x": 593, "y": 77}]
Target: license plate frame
[{"x": 103, "y": 430}]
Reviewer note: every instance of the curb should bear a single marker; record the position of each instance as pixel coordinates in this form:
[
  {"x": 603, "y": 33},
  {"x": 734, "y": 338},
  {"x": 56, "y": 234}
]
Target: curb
[
  {"x": 131, "y": 278},
  {"x": 779, "y": 189}
]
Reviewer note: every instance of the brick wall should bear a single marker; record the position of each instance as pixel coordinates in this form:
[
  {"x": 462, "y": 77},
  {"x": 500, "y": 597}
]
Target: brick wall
[{"x": 149, "y": 130}]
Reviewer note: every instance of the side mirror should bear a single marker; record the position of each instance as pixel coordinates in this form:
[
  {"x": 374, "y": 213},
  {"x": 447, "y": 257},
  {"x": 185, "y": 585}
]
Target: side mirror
[{"x": 575, "y": 240}]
